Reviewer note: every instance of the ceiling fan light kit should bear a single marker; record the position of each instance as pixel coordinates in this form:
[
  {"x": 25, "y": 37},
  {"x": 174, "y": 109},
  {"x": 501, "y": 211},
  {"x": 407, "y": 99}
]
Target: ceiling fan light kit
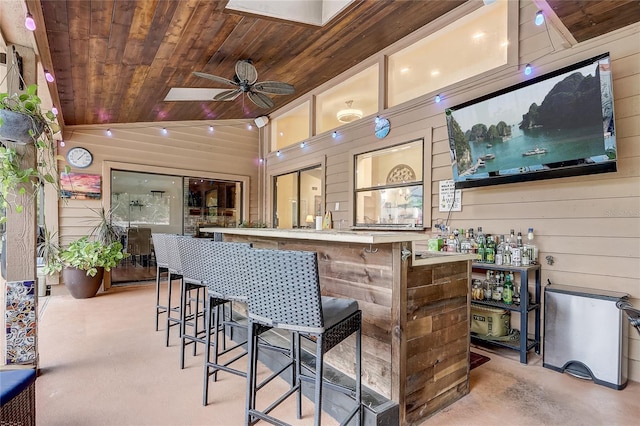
[{"x": 245, "y": 81}]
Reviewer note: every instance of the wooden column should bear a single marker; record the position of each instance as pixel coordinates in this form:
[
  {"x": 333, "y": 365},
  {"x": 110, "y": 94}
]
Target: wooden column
[{"x": 20, "y": 285}]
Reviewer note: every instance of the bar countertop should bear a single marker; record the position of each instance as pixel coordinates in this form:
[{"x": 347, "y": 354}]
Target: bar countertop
[{"x": 336, "y": 235}]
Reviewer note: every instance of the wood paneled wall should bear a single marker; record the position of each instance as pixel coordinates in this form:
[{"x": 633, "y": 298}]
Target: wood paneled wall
[
  {"x": 590, "y": 225},
  {"x": 189, "y": 148}
]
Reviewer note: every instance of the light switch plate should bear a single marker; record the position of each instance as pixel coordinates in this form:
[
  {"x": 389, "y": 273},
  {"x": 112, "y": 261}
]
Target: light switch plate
[{"x": 337, "y": 206}]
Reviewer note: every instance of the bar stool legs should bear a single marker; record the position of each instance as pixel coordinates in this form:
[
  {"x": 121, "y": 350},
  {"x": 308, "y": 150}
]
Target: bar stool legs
[{"x": 160, "y": 309}]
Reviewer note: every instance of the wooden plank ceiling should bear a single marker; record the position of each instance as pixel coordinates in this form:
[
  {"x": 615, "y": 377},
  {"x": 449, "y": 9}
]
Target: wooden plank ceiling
[{"x": 115, "y": 60}]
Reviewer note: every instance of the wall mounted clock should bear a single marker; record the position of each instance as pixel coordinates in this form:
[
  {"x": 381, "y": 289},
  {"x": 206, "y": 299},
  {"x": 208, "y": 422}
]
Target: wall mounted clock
[
  {"x": 79, "y": 157},
  {"x": 382, "y": 128}
]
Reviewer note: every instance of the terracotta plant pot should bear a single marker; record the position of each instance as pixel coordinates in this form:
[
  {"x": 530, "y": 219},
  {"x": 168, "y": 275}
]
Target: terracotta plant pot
[
  {"x": 15, "y": 127},
  {"x": 81, "y": 285}
]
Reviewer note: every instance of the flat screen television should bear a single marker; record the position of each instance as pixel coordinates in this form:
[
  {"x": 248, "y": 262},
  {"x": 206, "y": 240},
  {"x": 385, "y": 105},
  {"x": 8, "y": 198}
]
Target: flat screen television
[{"x": 556, "y": 125}]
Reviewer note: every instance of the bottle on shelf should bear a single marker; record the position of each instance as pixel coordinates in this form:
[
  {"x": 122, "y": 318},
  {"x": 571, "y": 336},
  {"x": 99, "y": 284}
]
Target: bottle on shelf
[
  {"x": 490, "y": 250},
  {"x": 477, "y": 290},
  {"x": 490, "y": 285},
  {"x": 499, "y": 257},
  {"x": 480, "y": 241},
  {"x": 507, "y": 291},
  {"x": 472, "y": 238},
  {"x": 506, "y": 255},
  {"x": 516, "y": 291},
  {"x": 466, "y": 246},
  {"x": 498, "y": 287},
  {"x": 513, "y": 248},
  {"x": 516, "y": 253},
  {"x": 531, "y": 248}
]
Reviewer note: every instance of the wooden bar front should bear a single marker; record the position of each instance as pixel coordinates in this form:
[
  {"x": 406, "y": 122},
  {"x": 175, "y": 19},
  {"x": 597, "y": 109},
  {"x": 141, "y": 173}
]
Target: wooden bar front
[{"x": 415, "y": 316}]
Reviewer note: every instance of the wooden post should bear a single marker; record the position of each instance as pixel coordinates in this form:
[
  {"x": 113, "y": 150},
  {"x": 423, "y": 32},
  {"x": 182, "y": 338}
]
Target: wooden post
[{"x": 19, "y": 288}]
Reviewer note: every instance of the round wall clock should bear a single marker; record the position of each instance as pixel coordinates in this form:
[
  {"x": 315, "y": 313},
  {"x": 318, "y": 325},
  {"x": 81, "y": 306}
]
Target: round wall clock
[
  {"x": 382, "y": 127},
  {"x": 79, "y": 157}
]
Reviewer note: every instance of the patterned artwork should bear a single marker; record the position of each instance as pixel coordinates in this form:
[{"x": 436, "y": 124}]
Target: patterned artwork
[{"x": 20, "y": 322}]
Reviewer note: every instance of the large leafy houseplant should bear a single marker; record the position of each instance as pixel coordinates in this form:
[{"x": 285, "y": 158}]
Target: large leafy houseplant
[
  {"x": 14, "y": 180},
  {"x": 88, "y": 256}
]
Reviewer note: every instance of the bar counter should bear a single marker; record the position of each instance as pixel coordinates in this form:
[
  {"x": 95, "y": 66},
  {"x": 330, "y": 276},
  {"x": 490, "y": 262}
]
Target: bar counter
[{"x": 415, "y": 306}]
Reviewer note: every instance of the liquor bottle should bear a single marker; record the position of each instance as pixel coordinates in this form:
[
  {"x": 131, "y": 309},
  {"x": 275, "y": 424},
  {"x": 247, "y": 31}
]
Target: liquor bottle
[
  {"x": 490, "y": 250},
  {"x": 507, "y": 291},
  {"x": 497, "y": 287},
  {"x": 487, "y": 287},
  {"x": 480, "y": 241},
  {"x": 472, "y": 238},
  {"x": 453, "y": 243},
  {"x": 506, "y": 255},
  {"x": 516, "y": 252},
  {"x": 466, "y": 246},
  {"x": 499, "y": 258},
  {"x": 513, "y": 247},
  {"x": 531, "y": 248}
]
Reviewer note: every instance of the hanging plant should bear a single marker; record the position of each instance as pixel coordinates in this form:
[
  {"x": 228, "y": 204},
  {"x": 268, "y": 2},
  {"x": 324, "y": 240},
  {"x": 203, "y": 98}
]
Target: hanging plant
[{"x": 40, "y": 128}]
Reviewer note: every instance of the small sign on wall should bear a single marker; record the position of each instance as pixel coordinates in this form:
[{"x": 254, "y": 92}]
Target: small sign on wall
[{"x": 450, "y": 197}]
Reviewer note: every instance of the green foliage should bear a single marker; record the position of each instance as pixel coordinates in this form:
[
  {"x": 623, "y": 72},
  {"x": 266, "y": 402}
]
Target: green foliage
[
  {"x": 14, "y": 180},
  {"x": 87, "y": 256}
]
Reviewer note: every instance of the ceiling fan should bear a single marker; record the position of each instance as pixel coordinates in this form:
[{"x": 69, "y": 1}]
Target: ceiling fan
[{"x": 245, "y": 81}]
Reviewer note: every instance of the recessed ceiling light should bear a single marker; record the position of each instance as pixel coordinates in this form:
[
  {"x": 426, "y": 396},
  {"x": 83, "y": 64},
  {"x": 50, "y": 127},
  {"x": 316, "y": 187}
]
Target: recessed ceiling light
[{"x": 435, "y": 73}]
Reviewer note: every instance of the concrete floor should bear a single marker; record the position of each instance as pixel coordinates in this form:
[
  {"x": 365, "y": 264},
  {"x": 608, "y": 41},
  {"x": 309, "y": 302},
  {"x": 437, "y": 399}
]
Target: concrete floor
[{"x": 102, "y": 363}]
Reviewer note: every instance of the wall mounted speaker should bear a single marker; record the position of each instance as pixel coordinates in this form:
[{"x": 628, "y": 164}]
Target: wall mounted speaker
[{"x": 261, "y": 121}]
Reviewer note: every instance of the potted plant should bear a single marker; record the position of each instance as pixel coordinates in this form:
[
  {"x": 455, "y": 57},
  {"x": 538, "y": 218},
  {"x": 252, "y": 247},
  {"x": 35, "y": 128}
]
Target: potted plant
[
  {"x": 22, "y": 121},
  {"x": 83, "y": 263}
]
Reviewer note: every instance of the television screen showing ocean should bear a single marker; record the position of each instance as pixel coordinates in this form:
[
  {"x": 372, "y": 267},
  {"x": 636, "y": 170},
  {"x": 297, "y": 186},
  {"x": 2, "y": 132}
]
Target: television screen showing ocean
[{"x": 535, "y": 149}]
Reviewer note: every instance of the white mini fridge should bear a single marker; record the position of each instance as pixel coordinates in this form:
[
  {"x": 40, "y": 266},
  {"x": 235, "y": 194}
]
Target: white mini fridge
[{"x": 585, "y": 334}]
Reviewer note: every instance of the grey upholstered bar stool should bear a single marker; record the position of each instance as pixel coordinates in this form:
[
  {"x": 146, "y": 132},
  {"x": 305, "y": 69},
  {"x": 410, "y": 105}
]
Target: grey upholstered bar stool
[
  {"x": 162, "y": 265},
  {"x": 221, "y": 261},
  {"x": 284, "y": 293},
  {"x": 193, "y": 277},
  {"x": 176, "y": 270}
]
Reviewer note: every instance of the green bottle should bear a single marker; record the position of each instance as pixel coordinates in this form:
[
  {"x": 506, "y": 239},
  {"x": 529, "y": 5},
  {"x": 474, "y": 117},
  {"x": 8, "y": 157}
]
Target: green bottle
[{"x": 507, "y": 291}]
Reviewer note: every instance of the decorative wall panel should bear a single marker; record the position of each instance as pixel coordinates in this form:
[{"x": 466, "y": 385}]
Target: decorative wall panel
[{"x": 20, "y": 322}]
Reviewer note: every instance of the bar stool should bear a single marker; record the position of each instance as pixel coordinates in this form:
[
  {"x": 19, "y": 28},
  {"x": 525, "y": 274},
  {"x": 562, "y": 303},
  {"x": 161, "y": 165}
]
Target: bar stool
[
  {"x": 284, "y": 293},
  {"x": 186, "y": 286},
  {"x": 221, "y": 261},
  {"x": 193, "y": 276},
  {"x": 162, "y": 265}
]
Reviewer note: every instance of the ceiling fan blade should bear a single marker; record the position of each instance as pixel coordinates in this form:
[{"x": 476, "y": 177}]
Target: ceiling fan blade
[
  {"x": 246, "y": 71},
  {"x": 274, "y": 88},
  {"x": 215, "y": 78},
  {"x": 227, "y": 95},
  {"x": 260, "y": 99}
]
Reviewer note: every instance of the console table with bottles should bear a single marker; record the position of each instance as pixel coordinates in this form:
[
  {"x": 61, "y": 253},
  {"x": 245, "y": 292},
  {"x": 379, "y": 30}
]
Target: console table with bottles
[{"x": 525, "y": 343}]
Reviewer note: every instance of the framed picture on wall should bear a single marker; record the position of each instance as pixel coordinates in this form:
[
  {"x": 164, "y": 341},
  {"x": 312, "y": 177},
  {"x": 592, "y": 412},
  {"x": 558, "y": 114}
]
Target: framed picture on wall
[{"x": 80, "y": 186}]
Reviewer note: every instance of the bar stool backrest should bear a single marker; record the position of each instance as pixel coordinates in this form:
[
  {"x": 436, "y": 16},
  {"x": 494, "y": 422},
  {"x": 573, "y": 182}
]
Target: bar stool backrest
[
  {"x": 284, "y": 289},
  {"x": 190, "y": 251},
  {"x": 160, "y": 249},
  {"x": 223, "y": 262},
  {"x": 171, "y": 242}
]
